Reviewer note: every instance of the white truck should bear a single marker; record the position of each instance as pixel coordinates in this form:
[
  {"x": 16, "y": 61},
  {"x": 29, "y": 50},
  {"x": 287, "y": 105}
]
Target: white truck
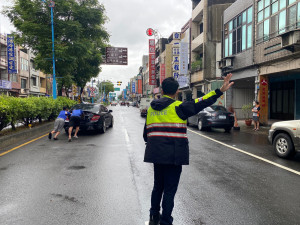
[{"x": 144, "y": 105}]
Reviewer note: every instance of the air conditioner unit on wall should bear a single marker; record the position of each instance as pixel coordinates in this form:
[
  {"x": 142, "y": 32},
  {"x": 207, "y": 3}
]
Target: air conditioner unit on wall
[
  {"x": 290, "y": 40},
  {"x": 226, "y": 63}
]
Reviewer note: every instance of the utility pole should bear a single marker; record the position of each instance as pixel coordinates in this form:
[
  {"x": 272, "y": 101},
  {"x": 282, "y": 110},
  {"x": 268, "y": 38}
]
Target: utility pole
[{"x": 51, "y": 5}]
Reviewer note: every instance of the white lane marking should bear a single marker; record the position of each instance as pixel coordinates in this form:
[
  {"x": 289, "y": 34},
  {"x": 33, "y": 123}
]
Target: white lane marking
[
  {"x": 126, "y": 136},
  {"x": 250, "y": 154}
]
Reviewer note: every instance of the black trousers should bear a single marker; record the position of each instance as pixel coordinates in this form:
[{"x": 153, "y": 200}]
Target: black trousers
[{"x": 166, "y": 180}]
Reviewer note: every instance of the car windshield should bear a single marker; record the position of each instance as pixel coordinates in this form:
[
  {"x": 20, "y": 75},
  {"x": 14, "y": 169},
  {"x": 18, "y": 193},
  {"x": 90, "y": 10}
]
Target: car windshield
[
  {"x": 88, "y": 107},
  {"x": 217, "y": 108}
]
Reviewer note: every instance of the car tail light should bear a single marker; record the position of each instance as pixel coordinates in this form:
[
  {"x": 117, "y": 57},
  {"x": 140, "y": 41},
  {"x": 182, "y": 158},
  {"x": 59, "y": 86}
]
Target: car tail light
[{"x": 95, "y": 118}]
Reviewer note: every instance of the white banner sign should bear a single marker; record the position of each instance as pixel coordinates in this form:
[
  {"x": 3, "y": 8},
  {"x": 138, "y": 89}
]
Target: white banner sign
[
  {"x": 183, "y": 81},
  {"x": 184, "y": 57}
]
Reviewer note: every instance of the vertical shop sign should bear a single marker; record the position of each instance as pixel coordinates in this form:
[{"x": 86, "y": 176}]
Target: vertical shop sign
[
  {"x": 133, "y": 87},
  {"x": 11, "y": 54},
  {"x": 140, "y": 87},
  {"x": 152, "y": 80},
  {"x": 162, "y": 72},
  {"x": 183, "y": 64}
]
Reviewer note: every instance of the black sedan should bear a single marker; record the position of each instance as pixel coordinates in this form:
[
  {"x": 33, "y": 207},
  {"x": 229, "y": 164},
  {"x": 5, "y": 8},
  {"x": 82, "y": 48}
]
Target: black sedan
[
  {"x": 95, "y": 117},
  {"x": 214, "y": 116}
]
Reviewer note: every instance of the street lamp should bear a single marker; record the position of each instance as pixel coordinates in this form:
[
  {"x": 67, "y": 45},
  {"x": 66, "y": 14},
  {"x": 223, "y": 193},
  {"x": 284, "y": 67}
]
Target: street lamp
[{"x": 51, "y": 5}]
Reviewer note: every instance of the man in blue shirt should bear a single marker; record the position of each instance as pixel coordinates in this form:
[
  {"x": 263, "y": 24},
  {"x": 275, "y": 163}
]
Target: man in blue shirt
[
  {"x": 74, "y": 122},
  {"x": 59, "y": 123}
]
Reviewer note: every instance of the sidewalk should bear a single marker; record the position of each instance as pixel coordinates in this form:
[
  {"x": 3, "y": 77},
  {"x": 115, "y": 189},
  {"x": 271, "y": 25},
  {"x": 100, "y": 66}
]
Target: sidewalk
[{"x": 263, "y": 130}]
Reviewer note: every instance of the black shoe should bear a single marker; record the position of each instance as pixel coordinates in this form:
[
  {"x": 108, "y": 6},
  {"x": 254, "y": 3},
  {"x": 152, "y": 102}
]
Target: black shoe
[
  {"x": 154, "y": 220},
  {"x": 70, "y": 139},
  {"x": 55, "y": 139},
  {"x": 50, "y": 135}
]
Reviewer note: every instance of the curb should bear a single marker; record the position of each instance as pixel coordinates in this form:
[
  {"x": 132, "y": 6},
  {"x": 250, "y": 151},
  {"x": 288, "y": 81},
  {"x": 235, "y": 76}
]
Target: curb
[{"x": 23, "y": 135}]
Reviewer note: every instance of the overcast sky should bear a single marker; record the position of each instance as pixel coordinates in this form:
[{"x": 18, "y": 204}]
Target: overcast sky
[{"x": 128, "y": 21}]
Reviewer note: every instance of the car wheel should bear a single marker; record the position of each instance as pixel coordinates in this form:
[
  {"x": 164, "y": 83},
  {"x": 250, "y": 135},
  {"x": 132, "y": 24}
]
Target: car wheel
[
  {"x": 200, "y": 125},
  {"x": 103, "y": 129},
  {"x": 228, "y": 129},
  {"x": 112, "y": 122},
  {"x": 283, "y": 146}
]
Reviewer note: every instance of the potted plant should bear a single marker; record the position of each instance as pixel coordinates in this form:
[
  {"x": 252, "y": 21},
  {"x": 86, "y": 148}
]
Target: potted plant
[{"x": 247, "y": 110}]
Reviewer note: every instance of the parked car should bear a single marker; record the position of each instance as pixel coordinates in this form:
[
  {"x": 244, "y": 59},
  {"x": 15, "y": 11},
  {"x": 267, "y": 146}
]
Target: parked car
[
  {"x": 144, "y": 105},
  {"x": 214, "y": 116},
  {"x": 122, "y": 104},
  {"x": 113, "y": 103},
  {"x": 95, "y": 117},
  {"x": 285, "y": 138}
]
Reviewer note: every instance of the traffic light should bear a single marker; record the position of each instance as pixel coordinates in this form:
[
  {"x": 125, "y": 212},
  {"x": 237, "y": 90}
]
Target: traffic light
[{"x": 119, "y": 83}]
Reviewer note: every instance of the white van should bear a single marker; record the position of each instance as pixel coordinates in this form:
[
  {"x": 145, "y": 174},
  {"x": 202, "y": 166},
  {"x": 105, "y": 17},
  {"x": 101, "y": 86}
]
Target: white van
[{"x": 144, "y": 105}]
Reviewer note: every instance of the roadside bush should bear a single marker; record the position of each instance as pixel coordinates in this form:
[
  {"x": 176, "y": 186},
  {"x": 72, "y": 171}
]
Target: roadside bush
[{"x": 25, "y": 110}]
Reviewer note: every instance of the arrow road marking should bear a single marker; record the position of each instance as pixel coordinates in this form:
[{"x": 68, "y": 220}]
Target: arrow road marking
[{"x": 247, "y": 153}]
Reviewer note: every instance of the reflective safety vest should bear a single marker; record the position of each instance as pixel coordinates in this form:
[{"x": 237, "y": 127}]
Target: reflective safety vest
[
  {"x": 166, "y": 123},
  {"x": 210, "y": 94}
]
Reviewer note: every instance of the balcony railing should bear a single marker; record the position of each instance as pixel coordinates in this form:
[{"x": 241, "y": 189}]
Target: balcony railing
[
  {"x": 3, "y": 39},
  {"x": 3, "y": 62},
  {"x": 197, "y": 43},
  {"x": 197, "y": 13}
]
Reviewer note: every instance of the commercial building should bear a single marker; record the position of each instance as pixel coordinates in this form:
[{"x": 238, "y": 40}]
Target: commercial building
[
  {"x": 34, "y": 85},
  {"x": 277, "y": 53},
  {"x": 9, "y": 83},
  {"x": 261, "y": 48},
  {"x": 238, "y": 54},
  {"x": 206, "y": 35}
]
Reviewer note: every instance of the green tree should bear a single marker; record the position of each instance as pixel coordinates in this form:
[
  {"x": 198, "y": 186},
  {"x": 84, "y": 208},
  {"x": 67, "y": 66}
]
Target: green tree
[
  {"x": 80, "y": 36},
  {"x": 105, "y": 87}
]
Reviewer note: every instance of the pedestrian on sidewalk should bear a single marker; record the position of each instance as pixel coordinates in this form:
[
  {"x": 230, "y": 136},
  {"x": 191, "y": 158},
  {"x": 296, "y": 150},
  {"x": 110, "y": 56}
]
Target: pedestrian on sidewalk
[
  {"x": 167, "y": 144},
  {"x": 74, "y": 122},
  {"x": 59, "y": 123},
  {"x": 255, "y": 111}
]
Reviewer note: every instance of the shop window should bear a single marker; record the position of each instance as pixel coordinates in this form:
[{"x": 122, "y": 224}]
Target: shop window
[
  {"x": 292, "y": 17},
  {"x": 230, "y": 44},
  {"x": 33, "y": 81},
  {"x": 274, "y": 25},
  {"x": 23, "y": 83},
  {"x": 291, "y": 1},
  {"x": 249, "y": 36},
  {"x": 244, "y": 37},
  {"x": 260, "y": 16},
  {"x": 267, "y": 12},
  {"x": 282, "y": 4},
  {"x": 249, "y": 18},
  {"x": 260, "y": 5},
  {"x": 244, "y": 17},
  {"x": 266, "y": 29},
  {"x": 282, "y": 22},
  {"x": 275, "y": 7},
  {"x": 226, "y": 47}
]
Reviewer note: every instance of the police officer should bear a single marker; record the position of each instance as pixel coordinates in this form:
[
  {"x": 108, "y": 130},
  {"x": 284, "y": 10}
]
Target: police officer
[{"x": 167, "y": 144}]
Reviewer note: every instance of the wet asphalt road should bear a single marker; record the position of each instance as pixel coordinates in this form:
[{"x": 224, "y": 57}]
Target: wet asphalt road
[{"x": 100, "y": 179}]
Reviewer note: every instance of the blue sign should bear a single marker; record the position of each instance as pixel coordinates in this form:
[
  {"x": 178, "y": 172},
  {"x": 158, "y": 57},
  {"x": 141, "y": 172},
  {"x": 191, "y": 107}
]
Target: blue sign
[
  {"x": 4, "y": 84},
  {"x": 125, "y": 91},
  {"x": 11, "y": 54},
  {"x": 133, "y": 87}
]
